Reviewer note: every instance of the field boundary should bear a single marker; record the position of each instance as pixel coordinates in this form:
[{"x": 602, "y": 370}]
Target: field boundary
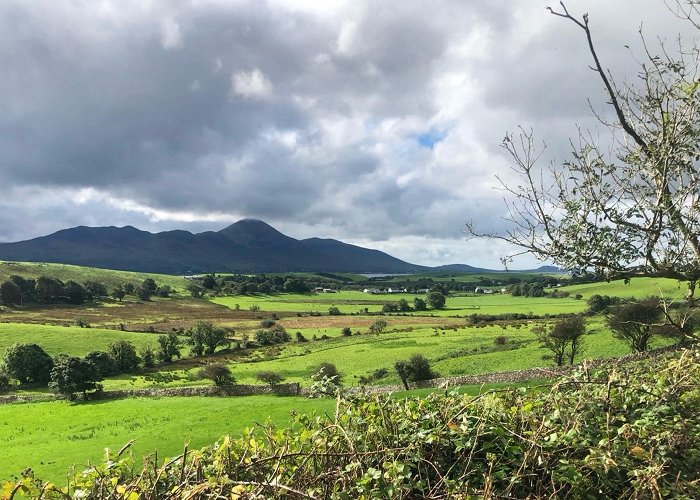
[{"x": 294, "y": 389}]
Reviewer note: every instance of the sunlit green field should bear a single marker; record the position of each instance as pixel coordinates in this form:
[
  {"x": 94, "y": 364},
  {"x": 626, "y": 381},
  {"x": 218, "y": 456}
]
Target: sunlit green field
[
  {"x": 351, "y": 302},
  {"x": 56, "y": 433},
  {"x": 81, "y": 274},
  {"x": 49, "y": 437},
  {"x": 71, "y": 340},
  {"x": 637, "y": 287}
]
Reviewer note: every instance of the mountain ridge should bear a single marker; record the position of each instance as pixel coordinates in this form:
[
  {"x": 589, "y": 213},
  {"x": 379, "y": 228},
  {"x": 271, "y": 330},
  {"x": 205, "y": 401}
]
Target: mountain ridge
[{"x": 248, "y": 245}]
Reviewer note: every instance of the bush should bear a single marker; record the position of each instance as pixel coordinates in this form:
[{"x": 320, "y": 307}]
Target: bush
[
  {"x": 346, "y": 331},
  {"x": 500, "y": 340},
  {"x": 269, "y": 377},
  {"x": 5, "y": 383},
  {"x": 622, "y": 432},
  {"x": 378, "y": 326},
  {"x": 267, "y": 323},
  {"x": 415, "y": 369},
  {"x": 124, "y": 355},
  {"x": 334, "y": 311},
  {"x": 104, "y": 362},
  {"x": 28, "y": 363},
  {"x": 217, "y": 373},
  {"x": 71, "y": 375},
  {"x": 81, "y": 322},
  {"x": 276, "y": 335},
  {"x": 328, "y": 370}
]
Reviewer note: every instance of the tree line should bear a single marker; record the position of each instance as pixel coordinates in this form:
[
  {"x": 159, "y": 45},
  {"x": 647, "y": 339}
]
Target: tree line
[{"x": 18, "y": 290}]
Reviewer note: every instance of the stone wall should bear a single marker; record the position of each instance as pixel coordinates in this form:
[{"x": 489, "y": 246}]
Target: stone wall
[{"x": 291, "y": 389}]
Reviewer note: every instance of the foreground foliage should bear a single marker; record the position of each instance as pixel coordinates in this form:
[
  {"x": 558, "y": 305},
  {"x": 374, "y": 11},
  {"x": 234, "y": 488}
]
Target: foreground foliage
[{"x": 629, "y": 431}]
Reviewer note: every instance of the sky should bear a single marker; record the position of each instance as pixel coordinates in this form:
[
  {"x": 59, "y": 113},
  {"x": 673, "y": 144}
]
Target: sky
[{"x": 377, "y": 123}]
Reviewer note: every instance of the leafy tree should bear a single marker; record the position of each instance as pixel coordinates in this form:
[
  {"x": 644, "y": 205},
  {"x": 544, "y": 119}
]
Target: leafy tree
[
  {"x": 119, "y": 293},
  {"x": 217, "y": 373},
  {"x": 269, "y": 377},
  {"x": 415, "y": 369},
  {"x": 346, "y": 331},
  {"x": 150, "y": 284},
  {"x": 129, "y": 288},
  {"x": 71, "y": 375},
  {"x": 195, "y": 290},
  {"x": 143, "y": 292},
  {"x": 10, "y": 293},
  {"x": 48, "y": 289},
  {"x": 334, "y": 311},
  {"x": 635, "y": 323},
  {"x": 300, "y": 337},
  {"x": 564, "y": 339},
  {"x": 5, "y": 382},
  {"x": 419, "y": 304},
  {"x": 296, "y": 285},
  {"x": 168, "y": 347},
  {"x": 626, "y": 210},
  {"x": 164, "y": 291},
  {"x": 104, "y": 362},
  {"x": 378, "y": 326},
  {"x": 204, "y": 338},
  {"x": 124, "y": 355},
  {"x": 390, "y": 307},
  {"x": 28, "y": 363},
  {"x": 148, "y": 356},
  {"x": 403, "y": 305},
  {"x": 329, "y": 370},
  {"x": 436, "y": 300},
  {"x": 27, "y": 286},
  {"x": 74, "y": 292},
  {"x": 275, "y": 335},
  {"x": 94, "y": 290},
  {"x": 209, "y": 281}
]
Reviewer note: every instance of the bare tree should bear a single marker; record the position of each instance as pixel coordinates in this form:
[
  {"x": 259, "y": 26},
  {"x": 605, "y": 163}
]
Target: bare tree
[{"x": 632, "y": 211}]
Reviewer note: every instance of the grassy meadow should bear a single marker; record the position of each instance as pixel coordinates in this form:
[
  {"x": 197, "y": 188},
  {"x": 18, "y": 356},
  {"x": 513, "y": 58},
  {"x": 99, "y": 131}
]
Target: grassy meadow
[
  {"x": 65, "y": 272},
  {"x": 51, "y": 436}
]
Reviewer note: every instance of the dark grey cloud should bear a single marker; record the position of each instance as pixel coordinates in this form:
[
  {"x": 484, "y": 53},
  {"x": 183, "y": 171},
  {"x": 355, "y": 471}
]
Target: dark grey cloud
[{"x": 193, "y": 114}]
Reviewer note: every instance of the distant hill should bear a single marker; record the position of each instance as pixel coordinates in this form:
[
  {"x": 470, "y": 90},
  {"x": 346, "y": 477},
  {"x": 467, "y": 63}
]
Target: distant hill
[
  {"x": 247, "y": 246},
  {"x": 459, "y": 269}
]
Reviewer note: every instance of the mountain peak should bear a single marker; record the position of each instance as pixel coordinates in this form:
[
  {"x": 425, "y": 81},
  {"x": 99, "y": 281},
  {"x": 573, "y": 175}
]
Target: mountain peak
[{"x": 254, "y": 233}]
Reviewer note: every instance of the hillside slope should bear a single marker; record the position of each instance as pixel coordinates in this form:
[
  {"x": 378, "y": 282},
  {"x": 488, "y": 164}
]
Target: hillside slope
[{"x": 247, "y": 246}]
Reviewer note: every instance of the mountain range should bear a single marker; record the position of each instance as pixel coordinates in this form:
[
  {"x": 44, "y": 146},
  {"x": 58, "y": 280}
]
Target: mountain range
[{"x": 247, "y": 246}]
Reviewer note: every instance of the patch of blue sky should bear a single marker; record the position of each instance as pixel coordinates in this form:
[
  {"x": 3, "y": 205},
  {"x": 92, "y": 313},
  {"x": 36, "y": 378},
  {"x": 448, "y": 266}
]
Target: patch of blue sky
[{"x": 429, "y": 138}]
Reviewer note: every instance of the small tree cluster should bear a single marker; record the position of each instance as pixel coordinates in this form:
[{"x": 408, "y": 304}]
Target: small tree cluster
[
  {"x": 564, "y": 339},
  {"x": 416, "y": 368}
]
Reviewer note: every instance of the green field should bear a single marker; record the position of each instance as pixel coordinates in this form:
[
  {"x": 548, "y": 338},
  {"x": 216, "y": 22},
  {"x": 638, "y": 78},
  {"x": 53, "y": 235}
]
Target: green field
[
  {"x": 352, "y": 302},
  {"x": 65, "y": 272},
  {"x": 50, "y": 437},
  {"x": 637, "y": 287},
  {"x": 69, "y": 340}
]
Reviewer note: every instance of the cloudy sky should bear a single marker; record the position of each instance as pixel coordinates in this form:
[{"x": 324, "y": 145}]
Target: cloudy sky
[{"x": 374, "y": 122}]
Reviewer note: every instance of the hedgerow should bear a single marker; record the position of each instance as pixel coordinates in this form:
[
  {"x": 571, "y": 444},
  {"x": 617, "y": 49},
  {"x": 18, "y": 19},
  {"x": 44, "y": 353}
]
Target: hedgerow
[{"x": 630, "y": 431}]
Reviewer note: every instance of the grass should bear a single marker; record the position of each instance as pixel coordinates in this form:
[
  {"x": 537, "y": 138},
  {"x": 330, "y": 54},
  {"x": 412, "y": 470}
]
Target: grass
[
  {"x": 637, "y": 287},
  {"x": 452, "y": 351},
  {"x": 49, "y": 437},
  {"x": 57, "y": 432},
  {"x": 65, "y": 272},
  {"x": 352, "y": 302},
  {"x": 73, "y": 341}
]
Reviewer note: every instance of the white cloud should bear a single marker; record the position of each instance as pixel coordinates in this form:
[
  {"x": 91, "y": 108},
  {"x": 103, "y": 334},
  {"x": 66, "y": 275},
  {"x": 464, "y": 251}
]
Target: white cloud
[
  {"x": 170, "y": 35},
  {"x": 251, "y": 84}
]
